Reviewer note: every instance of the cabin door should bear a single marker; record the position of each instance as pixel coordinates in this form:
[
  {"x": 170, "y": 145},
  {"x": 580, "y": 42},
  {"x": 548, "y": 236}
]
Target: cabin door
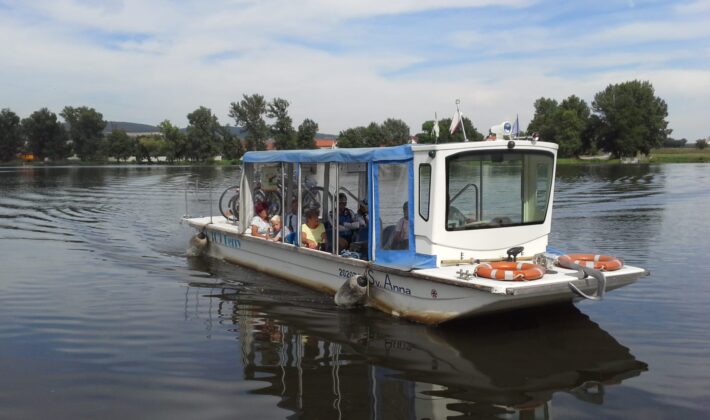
[{"x": 393, "y": 214}]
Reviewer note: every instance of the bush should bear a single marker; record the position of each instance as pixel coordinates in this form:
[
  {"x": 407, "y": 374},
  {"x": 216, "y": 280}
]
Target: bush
[{"x": 671, "y": 142}]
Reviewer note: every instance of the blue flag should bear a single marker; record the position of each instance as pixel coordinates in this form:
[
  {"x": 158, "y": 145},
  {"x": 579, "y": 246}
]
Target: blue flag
[{"x": 516, "y": 126}]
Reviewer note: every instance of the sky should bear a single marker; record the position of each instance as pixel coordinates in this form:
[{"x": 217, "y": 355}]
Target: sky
[{"x": 346, "y": 63}]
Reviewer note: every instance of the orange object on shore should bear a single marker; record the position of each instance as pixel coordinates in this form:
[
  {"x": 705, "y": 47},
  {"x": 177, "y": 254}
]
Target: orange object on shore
[
  {"x": 510, "y": 270},
  {"x": 27, "y": 157},
  {"x": 597, "y": 262}
]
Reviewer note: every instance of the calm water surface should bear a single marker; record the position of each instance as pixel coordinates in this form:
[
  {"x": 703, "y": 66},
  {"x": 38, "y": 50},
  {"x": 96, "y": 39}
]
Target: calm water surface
[{"x": 102, "y": 314}]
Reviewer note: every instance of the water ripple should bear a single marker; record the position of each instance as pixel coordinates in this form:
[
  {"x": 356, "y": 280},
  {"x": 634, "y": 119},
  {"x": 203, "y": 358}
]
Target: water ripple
[{"x": 104, "y": 316}]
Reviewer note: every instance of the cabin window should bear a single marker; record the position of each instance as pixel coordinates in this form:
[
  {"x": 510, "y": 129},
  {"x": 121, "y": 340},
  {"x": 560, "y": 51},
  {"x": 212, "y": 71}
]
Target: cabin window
[
  {"x": 318, "y": 182},
  {"x": 494, "y": 189},
  {"x": 266, "y": 186},
  {"x": 289, "y": 204},
  {"x": 424, "y": 190},
  {"x": 353, "y": 215},
  {"x": 393, "y": 188},
  {"x": 312, "y": 180}
]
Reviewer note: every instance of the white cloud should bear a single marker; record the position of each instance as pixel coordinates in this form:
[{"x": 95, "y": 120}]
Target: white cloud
[
  {"x": 151, "y": 61},
  {"x": 652, "y": 31},
  {"x": 698, "y": 6}
]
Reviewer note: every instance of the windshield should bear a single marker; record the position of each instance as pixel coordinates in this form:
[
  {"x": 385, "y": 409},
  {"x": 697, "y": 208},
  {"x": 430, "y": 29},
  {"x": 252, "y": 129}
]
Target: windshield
[{"x": 500, "y": 188}]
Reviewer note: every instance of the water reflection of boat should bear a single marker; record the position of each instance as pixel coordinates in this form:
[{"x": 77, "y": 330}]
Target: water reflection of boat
[{"x": 329, "y": 363}]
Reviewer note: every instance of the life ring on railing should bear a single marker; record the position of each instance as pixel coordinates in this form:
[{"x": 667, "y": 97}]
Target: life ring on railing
[
  {"x": 597, "y": 262},
  {"x": 510, "y": 270}
]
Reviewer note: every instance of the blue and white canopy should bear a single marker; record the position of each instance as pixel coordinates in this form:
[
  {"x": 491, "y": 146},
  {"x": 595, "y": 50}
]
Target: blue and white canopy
[
  {"x": 368, "y": 154},
  {"x": 374, "y": 157}
]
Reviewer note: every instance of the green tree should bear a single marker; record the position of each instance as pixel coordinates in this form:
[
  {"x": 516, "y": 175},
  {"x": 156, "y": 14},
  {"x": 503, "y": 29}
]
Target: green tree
[
  {"x": 395, "y": 132},
  {"x": 150, "y": 147},
  {"x": 249, "y": 115},
  {"x": 306, "y": 136},
  {"x": 282, "y": 129},
  {"x": 565, "y": 124},
  {"x": 85, "y": 130},
  {"x": 633, "y": 118},
  {"x": 445, "y": 136},
  {"x": 175, "y": 139},
  {"x": 543, "y": 121},
  {"x": 120, "y": 145},
  {"x": 426, "y": 135},
  {"x": 204, "y": 135},
  {"x": 10, "y": 135},
  {"x": 701, "y": 144},
  {"x": 46, "y": 136},
  {"x": 374, "y": 135},
  {"x": 671, "y": 142},
  {"x": 472, "y": 133},
  {"x": 570, "y": 120},
  {"x": 232, "y": 146},
  {"x": 352, "y": 137},
  {"x": 592, "y": 135}
]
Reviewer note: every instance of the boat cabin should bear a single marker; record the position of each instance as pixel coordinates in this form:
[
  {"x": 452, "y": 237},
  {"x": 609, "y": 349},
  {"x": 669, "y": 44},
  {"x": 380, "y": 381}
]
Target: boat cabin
[{"x": 415, "y": 205}]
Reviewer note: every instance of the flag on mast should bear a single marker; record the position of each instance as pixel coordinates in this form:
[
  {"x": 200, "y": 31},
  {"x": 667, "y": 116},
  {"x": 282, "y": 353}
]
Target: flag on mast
[
  {"x": 435, "y": 129},
  {"x": 516, "y": 126},
  {"x": 455, "y": 121}
]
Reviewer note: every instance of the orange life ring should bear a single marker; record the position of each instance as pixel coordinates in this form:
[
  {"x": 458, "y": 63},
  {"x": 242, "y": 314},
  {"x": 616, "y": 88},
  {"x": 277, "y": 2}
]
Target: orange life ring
[
  {"x": 510, "y": 270},
  {"x": 597, "y": 262}
]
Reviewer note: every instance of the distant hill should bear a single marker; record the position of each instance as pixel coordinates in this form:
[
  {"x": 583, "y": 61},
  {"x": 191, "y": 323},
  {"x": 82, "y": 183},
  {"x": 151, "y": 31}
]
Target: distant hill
[{"x": 130, "y": 127}]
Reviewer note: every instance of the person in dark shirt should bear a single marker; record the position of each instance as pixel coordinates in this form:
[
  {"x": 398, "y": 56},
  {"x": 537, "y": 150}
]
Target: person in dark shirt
[{"x": 346, "y": 222}]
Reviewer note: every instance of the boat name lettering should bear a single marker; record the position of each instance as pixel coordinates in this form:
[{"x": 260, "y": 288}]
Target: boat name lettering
[
  {"x": 397, "y": 345},
  {"x": 387, "y": 284},
  {"x": 346, "y": 273},
  {"x": 222, "y": 239}
]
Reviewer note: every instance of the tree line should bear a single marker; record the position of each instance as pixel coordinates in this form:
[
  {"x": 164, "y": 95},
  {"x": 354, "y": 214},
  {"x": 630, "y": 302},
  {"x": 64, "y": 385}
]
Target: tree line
[
  {"x": 81, "y": 133},
  {"x": 624, "y": 119}
]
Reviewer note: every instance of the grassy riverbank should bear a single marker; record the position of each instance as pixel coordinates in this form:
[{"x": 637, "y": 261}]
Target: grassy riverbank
[
  {"x": 664, "y": 155},
  {"x": 680, "y": 155}
]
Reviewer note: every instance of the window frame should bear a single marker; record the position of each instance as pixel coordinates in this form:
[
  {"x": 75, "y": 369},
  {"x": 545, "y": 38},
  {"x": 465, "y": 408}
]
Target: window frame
[
  {"x": 450, "y": 158},
  {"x": 419, "y": 192}
]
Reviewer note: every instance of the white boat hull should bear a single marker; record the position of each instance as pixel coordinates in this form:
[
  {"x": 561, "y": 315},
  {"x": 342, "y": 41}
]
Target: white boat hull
[{"x": 430, "y": 296}]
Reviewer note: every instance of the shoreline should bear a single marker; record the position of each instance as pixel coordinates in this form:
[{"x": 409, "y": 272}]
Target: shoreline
[{"x": 664, "y": 155}]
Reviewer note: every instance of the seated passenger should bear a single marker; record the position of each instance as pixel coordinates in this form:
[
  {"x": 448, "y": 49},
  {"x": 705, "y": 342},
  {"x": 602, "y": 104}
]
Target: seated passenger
[
  {"x": 362, "y": 219},
  {"x": 400, "y": 237},
  {"x": 291, "y": 222},
  {"x": 276, "y": 229},
  {"x": 260, "y": 223},
  {"x": 313, "y": 231},
  {"x": 346, "y": 222}
]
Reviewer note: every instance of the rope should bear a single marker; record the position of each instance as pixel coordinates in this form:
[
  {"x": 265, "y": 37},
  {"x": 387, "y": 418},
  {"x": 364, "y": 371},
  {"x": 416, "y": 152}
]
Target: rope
[{"x": 598, "y": 275}]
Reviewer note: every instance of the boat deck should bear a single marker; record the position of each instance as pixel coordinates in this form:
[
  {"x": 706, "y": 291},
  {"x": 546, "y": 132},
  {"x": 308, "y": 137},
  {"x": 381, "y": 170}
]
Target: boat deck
[{"x": 462, "y": 274}]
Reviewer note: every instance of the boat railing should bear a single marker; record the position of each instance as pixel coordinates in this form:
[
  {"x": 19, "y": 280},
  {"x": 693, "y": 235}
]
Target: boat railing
[
  {"x": 202, "y": 193},
  {"x": 461, "y": 191}
]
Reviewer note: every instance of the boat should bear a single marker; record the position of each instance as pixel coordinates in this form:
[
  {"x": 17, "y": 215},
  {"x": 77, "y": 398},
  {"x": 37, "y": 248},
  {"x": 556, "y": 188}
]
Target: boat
[{"x": 454, "y": 230}]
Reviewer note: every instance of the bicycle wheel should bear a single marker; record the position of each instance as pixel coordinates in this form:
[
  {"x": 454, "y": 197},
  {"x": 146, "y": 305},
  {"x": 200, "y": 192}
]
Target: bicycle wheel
[
  {"x": 259, "y": 196},
  {"x": 229, "y": 203},
  {"x": 312, "y": 198},
  {"x": 273, "y": 199}
]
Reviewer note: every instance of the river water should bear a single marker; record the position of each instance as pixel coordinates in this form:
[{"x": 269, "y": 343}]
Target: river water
[{"x": 103, "y": 315}]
